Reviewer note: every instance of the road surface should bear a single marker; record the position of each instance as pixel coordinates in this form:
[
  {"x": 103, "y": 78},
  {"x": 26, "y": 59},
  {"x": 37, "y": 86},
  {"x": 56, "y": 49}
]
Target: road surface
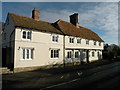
[
  {"x": 107, "y": 76},
  {"x": 103, "y": 76}
]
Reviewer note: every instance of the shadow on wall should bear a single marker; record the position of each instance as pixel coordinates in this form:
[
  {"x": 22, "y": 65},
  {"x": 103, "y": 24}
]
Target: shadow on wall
[
  {"x": 99, "y": 57},
  {"x": 81, "y": 58},
  {"x": 53, "y": 64}
]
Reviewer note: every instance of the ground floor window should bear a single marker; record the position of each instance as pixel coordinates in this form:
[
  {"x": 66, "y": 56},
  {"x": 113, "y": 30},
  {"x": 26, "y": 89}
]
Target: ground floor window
[
  {"x": 69, "y": 54},
  {"x": 55, "y": 53},
  {"x": 93, "y": 54},
  {"x": 26, "y": 54},
  {"x": 76, "y": 54}
]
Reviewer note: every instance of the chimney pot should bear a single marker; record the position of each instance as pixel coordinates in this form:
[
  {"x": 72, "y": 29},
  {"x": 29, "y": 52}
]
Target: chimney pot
[
  {"x": 74, "y": 19},
  {"x": 35, "y": 14}
]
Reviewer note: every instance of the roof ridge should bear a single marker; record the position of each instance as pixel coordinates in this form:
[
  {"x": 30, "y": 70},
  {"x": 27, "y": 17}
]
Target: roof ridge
[
  {"x": 29, "y": 18},
  {"x": 19, "y": 15},
  {"x": 71, "y": 23}
]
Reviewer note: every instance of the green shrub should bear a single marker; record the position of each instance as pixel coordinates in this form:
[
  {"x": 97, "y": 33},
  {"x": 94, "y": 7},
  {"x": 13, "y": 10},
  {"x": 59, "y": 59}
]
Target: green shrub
[
  {"x": 111, "y": 55},
  {"x": 105, "y": 55}
]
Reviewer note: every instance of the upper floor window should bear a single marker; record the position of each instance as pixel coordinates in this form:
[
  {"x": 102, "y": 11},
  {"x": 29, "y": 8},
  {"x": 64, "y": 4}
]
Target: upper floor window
[
  {"x": 99, "y": 43},
  {"x": 87, "y": 42},
  {"x": 55, "y": 53},
  {"x": 79, "y": 41},
  {"x": 26, "y": 35},
  {"x": 55, "y": 38},
  {"x": 94, "y": 42},
  {"x": 26, "y": 54},
  {"x": 71, "y": 40}
]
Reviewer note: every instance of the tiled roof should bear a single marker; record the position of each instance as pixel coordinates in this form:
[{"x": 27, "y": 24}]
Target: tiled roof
[
  {"x": 26, "y": 22},
  {"x": 69, "y": 29},
  {"x": 60, "y": 27}
]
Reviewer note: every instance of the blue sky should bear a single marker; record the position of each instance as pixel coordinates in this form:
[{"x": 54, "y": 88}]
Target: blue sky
[{"x": 101, "y": 17}]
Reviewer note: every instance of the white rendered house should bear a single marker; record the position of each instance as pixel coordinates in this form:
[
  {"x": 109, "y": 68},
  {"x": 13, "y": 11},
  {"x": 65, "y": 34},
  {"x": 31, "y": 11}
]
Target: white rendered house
[{"x": 30, "y": 42}]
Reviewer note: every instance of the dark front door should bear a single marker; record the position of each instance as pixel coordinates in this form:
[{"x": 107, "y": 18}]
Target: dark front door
[
  {"x": 87, "y": 56},
  {"x": 3, "y": 57}
]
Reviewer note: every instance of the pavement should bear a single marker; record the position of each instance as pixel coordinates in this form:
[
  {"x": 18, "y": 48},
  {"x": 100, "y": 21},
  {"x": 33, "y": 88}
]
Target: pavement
[{"x": 69, "y": 77}]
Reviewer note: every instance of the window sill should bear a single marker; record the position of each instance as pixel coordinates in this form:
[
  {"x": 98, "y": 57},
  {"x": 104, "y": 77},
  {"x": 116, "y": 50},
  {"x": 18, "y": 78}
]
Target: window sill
[
  {"x": 26, "y": 39},
  {"x": 54, "y": 42},
  {"x": 26, "y": 59},
  {"x": 76, "y": 58},
  {"x": 69, "y": 58},
  {"x": 54, "y": 58}
]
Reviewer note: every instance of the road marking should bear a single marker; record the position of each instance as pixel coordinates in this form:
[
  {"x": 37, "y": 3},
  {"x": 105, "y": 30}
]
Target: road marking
[{"x": 61, "y": 84}]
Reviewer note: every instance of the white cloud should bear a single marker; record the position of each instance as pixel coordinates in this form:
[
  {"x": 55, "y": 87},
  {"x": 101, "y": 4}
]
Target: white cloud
[
  {"x": 103, "y": 17},
  {"x": 106, "y": 15}
]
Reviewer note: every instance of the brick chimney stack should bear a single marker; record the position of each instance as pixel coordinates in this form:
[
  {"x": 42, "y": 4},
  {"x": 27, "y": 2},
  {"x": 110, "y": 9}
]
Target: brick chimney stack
[
  {"x": 35, "y": 14},
  {"x": 74, "y": 19}
]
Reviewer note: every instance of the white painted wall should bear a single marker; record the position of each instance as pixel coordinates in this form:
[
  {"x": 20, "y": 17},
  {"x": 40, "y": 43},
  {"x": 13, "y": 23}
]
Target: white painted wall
[
  {"x": 80, "y": 47},
  {"x": 83, "y": 44},
  {"x": 42, "y": 44}
]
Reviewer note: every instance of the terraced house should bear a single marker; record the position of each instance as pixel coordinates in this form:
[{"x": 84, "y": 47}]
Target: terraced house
[{"x": 30, "y": 42}]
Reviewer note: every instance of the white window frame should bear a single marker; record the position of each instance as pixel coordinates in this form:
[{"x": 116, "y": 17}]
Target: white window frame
[
  {"x": 71, "y": 40},
  {"x": 87, "y": 42},
  {"x": 93, "y": 54},
  {"x": 77, "y": 54},
  {"x": 55, "y": 38},
  {"x": 95, "y": 43},
  {"x": 54, "y": 54},
  {"x": 78, "y": 40},
  {"x": 26, "y": 36},
  {"x": 69, "y": 54},
  {"x": 28, "y": 52},
  {"x": 99, "y": 43}
]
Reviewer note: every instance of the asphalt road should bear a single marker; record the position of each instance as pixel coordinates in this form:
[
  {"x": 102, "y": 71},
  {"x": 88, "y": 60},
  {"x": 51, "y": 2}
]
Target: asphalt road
[
  {"x": 103, "y": 76},
  {"x": 107, "y": 77}
]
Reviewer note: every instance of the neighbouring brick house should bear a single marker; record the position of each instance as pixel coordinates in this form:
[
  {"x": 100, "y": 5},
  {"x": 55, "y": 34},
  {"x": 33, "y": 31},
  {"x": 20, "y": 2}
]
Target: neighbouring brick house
[{"x": 31, "y": 42}]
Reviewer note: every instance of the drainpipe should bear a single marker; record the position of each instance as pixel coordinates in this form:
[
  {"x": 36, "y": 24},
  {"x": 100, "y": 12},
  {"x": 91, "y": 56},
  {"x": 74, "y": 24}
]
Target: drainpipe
[
  {"x": 64, "y": 50},
  {"x": 73, "y": 57}
]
